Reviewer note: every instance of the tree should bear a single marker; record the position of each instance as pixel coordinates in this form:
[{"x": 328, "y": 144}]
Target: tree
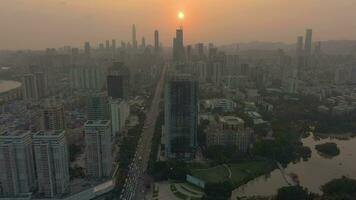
[
  {"x": 343, "y": 188},
  {"x": 218, "y": 191},
  {"x": 292, "y": 193}
]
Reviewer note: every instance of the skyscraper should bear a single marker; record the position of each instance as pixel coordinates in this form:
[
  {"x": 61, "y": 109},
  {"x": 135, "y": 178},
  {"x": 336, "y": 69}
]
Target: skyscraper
[
  {"x": 17, "y": 170},
  {"x": 299, "y": 52},
  {"x": 113, "y": 47},
  {"x": 200, "y": 50},
  {"x": 119, "y": 110},
  {"x": 178, "y": 46},
  {"x": 98, "y": 148},
  {"x": 52, "y": 162},
  {"x": 134, "y": 40},
  {"x": 87, "y": 50},
  {"x": 41, "y": 84},
  {"x": 30, "y": 87},
  {"x": 118, "y": 81},
  {"x": 181, "y": 117},
  {"x": 156, "y": 39},
  {"x": 308, "y": 46},
  {"x": 107, "y": 45},
  {"x": 143, "y": 43}
]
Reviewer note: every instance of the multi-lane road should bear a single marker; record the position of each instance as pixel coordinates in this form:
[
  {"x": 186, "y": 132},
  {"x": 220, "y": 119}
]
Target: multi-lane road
[{"x": 134, "y": 184}]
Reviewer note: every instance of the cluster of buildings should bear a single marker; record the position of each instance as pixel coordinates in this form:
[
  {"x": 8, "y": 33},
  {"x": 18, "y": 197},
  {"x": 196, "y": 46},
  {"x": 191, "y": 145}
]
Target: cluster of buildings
[
  {"x": 31, "y": 161},
  {"x": 229, "y": 131}
]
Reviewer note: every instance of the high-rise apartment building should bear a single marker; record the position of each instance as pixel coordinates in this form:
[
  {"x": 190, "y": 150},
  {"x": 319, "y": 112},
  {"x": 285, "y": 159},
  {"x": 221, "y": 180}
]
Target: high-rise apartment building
[
  {"x": 120, "y": 111},
  {"x": 156, "y": 39},
  {"x": 97, "y": 106},
  {"x": 87, "y": 50},
  {"x": 30, "y": 87},
  {"x": 53, "y": 117},
  {"x": 181, "y": 117},
  {"x": 17, "y": 169},
  {"x": 87, "y": 78},
  {"x": 98, "y": 149},
  {"x": 308, "y": 46},
  {"x": 52, "y": 162},
  {"x": 178, "y": 46},
  {"x": 134, "y": 40}
]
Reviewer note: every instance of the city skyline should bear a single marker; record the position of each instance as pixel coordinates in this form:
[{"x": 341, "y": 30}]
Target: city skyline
[{"x": 72, "y": 22}]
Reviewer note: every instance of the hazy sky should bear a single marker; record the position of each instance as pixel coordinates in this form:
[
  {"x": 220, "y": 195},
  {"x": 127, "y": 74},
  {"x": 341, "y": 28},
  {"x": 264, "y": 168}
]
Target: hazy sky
[{"x": 55, "y": 23}]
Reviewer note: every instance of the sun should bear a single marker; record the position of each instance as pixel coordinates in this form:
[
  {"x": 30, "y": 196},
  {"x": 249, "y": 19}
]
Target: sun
[{"x": 181, "y": 15}]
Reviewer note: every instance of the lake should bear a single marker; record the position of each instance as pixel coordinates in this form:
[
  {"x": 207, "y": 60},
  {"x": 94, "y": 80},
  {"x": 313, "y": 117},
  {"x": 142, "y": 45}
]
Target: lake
[{"x": 312, "y": 173}]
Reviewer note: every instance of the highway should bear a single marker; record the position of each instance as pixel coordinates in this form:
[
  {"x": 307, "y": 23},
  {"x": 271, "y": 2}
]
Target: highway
[{"x": 134, "y": 184}]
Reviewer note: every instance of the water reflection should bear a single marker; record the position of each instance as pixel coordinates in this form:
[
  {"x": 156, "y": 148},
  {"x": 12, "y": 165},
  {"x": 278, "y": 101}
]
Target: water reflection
[{"x": 312, "y": 173}]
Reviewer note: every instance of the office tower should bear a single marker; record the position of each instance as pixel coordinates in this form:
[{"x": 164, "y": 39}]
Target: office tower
[
  {"x": 74, "y": 55},
  {"x": 200, "y": 50},
  {"x": 178, "y": 47},
  {"x": 107, "y": 45},
  {"x": 143, "y": 43},
  {"x": 97, "y": 106},
  {"x": 98, "y": 148},
  {"x": 87, "y": 78},
  {"x": 308, "y": 46},
  {"x": 217, "y": 73},
  {"x": 52, "y": 162},
  {"x": 245, "y": 69},
  {"x": 41, "y": 85},
  {"x": 156, "y": 39},
  {"x": 181, "y": 117},
  {"x": 113, "y": 45},
  {"x": 299, "y": 52},
  {"x": 189, "y": 52},
  {"x": 53, "y": 117},
  {"x": 17, "y": 170},
  {"x": 29, "y": 87},
  {"x": 101, "y": 46},
  {"x": 317, "y": 50},
  {"x": 87, "y": 50},
  {"x": 118, "y": 81},
  {"x": 134, "y": 40},
  {"x": 232, "y": 63},
  {"x": 201, "y": 71},
  {"x": 119, "y": 110}
]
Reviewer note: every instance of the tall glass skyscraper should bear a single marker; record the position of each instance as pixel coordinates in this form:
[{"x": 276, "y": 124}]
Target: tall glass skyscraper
[{"x": 181, "y": 117}]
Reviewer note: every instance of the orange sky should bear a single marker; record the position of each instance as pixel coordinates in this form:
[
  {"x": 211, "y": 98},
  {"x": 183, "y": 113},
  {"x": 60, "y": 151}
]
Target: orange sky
[{"x": 53, "y": 23}]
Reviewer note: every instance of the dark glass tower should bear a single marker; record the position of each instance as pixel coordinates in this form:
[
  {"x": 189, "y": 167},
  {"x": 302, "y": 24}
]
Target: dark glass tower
[{"x": 181, "y": 117}]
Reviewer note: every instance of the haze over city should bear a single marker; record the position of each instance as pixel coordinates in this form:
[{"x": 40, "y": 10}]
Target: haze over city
[
  {"x": 37, "y": 24},
  {"x": 177, "y": 100}
]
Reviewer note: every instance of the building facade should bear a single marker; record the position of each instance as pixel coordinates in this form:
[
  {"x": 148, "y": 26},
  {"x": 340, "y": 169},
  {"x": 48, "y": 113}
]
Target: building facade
[
  {"x": 52, "y": 163},
  {"x": 17, "y": 169},
  {"x": 181, "y": 112},
  {"x": 98, "y": 149},
  {"x": 120, "y": 111}
]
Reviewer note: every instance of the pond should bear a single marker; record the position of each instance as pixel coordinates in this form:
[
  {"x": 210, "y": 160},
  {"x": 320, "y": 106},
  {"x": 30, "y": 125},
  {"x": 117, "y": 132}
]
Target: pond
[{"x": 312, "y": 174}]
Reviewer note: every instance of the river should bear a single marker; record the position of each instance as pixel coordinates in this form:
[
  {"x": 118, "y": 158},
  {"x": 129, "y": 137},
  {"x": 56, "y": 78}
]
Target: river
[{"x": 312, "y": 173}]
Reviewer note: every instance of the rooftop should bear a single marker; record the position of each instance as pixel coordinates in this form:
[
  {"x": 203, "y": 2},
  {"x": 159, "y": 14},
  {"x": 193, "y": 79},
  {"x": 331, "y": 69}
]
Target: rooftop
[
  {"x": 96, "y": 122},
  {"x": 232, "y": 120},
  {"x": 49, "y": 133},
  {"x": 14, "y": 133}
]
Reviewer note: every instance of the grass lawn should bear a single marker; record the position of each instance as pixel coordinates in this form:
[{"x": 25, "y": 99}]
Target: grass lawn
[
  {"x": 241, "y": 172},
  {"x": 215, "y": 174}
]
